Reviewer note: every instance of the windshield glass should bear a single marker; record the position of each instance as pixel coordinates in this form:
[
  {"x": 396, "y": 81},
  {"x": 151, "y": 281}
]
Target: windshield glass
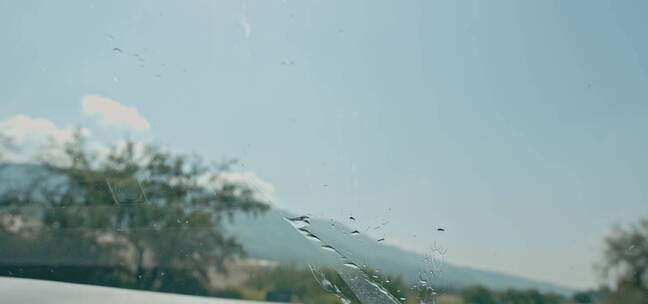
[{"x": 324, "y": 151}]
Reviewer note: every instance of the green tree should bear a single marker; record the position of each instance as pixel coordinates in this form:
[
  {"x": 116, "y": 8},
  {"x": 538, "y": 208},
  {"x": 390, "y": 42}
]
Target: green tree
[
  {"x": 626, "y": 261},
  {"x": 146, "y": 211},
  {"x": 512, "y": 296},
  {"x": 626, "y": 255},
  {"x": 299, "y": 282},
  {"x": 582, "y": 298},
  {"x": 478, "y": 295},
  {"x": 6, "y": 145}
]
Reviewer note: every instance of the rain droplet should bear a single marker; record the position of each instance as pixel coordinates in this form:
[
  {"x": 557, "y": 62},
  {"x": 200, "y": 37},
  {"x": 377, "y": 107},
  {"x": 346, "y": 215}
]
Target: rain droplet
[
  {"x": 124, "y": 193},
  {"x": 402, "y": 299},
  {"x": 138, "y": 57},
  {"x": 303, "y": 218},
  {"x": 351, "y": 218},
  {"x": 312, "y": 237},
  {"x": 355, "y": 232},
  {"x": 118, "y": 50},
  {"x": 327, "y": 285},
  {"x": 352, "y": 265},
  {"x": 299, "y": 221},
  {"x": 380, "y": 239},
  {"x": 440, "y": 229},
  {"x": 329, "y": 248}
]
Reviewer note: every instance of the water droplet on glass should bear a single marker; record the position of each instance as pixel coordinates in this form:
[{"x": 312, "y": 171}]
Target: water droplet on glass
[
  {"x": 126, "y": 192},
  {"x": 327, "y": 285},
  {"x": 329, "y": 248},
  {"x": 352, "y": 265},
  {"x": 118, "y": 50},
  {"x": 402, "y": 299},
  {"x": 440, "y": 229},
  {"x": 380, "y": 239},
  {"x": 303, "y": 218},
  {"x": 355, "y": 232},
  {"x": 351, "y": 218},
  {"x": 312, "y": 237}
]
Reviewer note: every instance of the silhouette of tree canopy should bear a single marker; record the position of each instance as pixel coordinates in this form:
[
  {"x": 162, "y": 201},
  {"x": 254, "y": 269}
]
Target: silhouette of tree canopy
[
  {"x": 145, "y": 212},
  {"x": 478, "y": 295},
  {"x": 6, "y": 145},
  {"x": 626, "y": 261}
]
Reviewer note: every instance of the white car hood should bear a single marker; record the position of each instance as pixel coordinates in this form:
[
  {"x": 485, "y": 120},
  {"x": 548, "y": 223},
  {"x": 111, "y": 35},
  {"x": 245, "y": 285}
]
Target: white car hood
[{"x": 28, "y": 291}]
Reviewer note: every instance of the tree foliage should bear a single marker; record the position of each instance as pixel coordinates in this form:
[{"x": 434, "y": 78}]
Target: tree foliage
[
  {"x": 144, "y": 211},
  {"x": 626, "y": 261},
  {"x": 481, "y": 295},
  {"x": 478, "y": 295}
]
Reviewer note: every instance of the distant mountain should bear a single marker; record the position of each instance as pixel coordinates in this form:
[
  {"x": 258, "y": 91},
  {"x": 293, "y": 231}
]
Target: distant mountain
[{"x": 271, "y": 237}]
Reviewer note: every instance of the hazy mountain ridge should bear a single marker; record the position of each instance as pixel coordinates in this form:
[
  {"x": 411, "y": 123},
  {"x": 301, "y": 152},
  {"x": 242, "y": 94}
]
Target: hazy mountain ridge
[{"x": 270, "y": 237}]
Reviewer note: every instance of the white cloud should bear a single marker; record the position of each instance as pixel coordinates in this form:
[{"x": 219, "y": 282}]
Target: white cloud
[
  {"x": 113, "y": 113},
  {"x": 22, "y": 128},
  {"x": 30, "y": 135},
  {"x": 264, "y": 190}
]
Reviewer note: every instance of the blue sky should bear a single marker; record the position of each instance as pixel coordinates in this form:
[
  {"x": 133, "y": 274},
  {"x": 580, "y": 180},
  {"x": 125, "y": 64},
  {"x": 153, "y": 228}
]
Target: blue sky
[{"x": 517, "y": 126}]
